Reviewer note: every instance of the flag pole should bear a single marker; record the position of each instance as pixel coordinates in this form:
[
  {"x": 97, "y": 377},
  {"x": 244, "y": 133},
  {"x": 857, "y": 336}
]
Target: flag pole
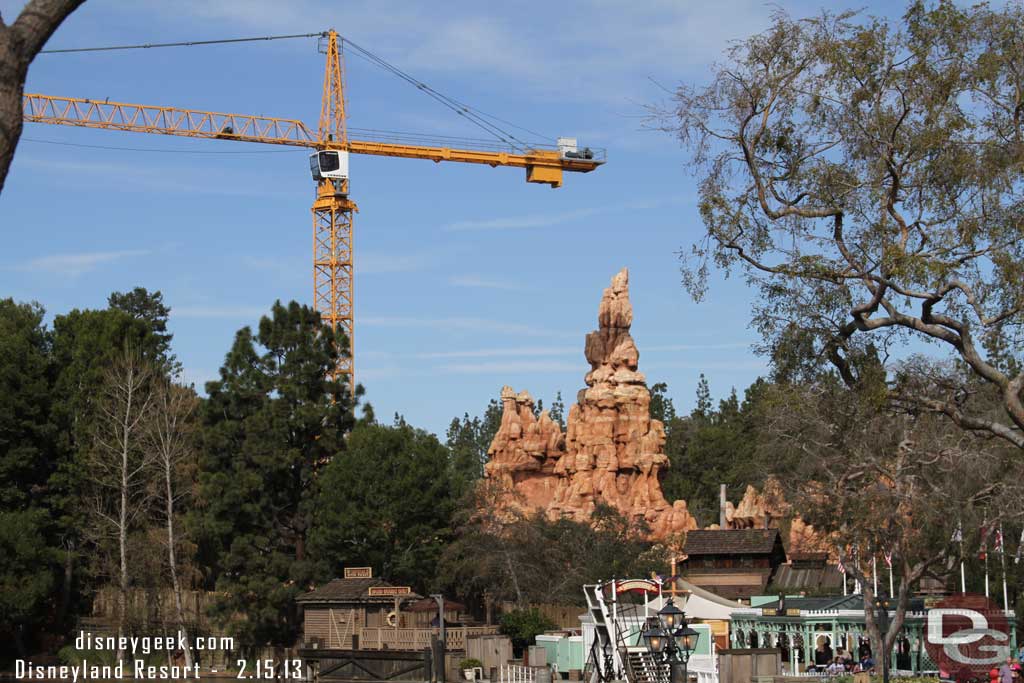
[
  {"x": 958, "y": 536},
  {"x": 874, "y": 574},
  {"x": 986, "y": 576},
  {"x": 1002, "y": 566},
  {"x": 891, "y": 591}
]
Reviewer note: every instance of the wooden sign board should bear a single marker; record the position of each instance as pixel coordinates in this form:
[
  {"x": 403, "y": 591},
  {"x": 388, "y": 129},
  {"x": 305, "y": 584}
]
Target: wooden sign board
[
  {"x": 639, "y": 585},
  {"x": 388, "y": 591},
  {"x": 358, "y": 572}
]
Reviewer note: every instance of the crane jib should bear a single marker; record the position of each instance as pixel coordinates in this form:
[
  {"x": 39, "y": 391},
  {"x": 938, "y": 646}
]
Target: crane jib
[{"x": 161, "y": 120}]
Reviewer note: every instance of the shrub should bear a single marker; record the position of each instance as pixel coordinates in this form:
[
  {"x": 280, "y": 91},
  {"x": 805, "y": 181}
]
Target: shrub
[{"x": 522, "y": 626}]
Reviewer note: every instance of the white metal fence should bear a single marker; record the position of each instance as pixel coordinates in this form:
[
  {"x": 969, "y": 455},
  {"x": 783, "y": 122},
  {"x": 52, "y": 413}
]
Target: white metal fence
[{"x": 514, "y": 673}]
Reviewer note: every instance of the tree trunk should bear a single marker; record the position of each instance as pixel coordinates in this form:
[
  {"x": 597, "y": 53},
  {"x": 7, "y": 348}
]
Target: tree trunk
[
  {"x": 66, "y": 585},
  {"x": 172, "y": 560},
  {"x": 19, "y": 640},
  {"x": 122, "y": 538},
  {"x": 19, "y": 44}
]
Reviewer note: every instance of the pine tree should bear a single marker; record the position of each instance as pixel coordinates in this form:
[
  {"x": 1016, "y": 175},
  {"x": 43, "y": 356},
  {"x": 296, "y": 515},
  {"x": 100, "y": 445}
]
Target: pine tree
[
  {"x": 661, "y": 407},
  {"x": 703, "y": 408},
  {"x": 149, "y": 307},
  {"x": 386, "y": 502},
  {"x": 28, "y": 557},
  {"x": 557, "y": 411},
  {"x": 272, "y": 422}
]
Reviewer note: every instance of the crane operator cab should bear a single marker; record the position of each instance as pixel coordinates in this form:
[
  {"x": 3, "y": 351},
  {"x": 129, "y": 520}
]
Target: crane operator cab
[{"x": 329, "y": 165}]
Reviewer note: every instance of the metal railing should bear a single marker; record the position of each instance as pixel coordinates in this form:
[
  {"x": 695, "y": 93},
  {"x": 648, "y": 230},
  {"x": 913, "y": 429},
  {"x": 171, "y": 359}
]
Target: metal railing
[{"x": 515, "y": 673}]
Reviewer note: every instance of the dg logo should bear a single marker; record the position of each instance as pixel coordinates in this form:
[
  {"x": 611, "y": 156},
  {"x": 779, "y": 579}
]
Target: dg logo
[{"x": 967, "y": 635}]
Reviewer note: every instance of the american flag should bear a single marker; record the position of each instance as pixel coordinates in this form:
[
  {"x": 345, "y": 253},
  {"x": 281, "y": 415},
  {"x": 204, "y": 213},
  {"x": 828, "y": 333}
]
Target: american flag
[
  {"x": 888, "y": 558},
  {"x": 999, "y": 539}
]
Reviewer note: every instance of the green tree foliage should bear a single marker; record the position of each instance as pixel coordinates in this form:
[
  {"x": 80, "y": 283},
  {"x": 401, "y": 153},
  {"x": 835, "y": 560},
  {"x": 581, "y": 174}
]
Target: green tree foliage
[
  {"x": 703, "y": 408},
  {"x": 26, "y": 434},
  {"x": 499, "y": 554},
  {"x": 467, "y": 440},
  {"x": 711, "y": 447},
  {"x": 557, "y": 411},
  {"x": 864, "y": 175},
  {"x": 149, "y": 307},
  {"x": 661, "y": 406},
  {"x": 27, "y": 552},
  {"x": 26, "y": 572},
  {"x": 878, "y": 480},
  {"x": 271, "y": 423},
  {"x": 522, "y": 626},
  {"x": 85, "y": 344},
  {"x": 385, "y": 503}
]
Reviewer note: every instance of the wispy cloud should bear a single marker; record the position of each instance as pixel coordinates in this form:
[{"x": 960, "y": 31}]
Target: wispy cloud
[
  {"x": 126, "y": 177},
  {"x": 522, "y": 222},
  {"x": 461, "y": 324},
  {"x": 550, "y": 351},
  {"x": 547, "y": 220},
  {"x": 373, "y": 263},
  {"x": 511, "y": 367},
  {"x": 670, "y": 348},
  {"x": 739, "y": 364},
  {"x": 475, "y": 282},
  {"x": 504, "y": 353},
  {"x": 73, "y": 265}
]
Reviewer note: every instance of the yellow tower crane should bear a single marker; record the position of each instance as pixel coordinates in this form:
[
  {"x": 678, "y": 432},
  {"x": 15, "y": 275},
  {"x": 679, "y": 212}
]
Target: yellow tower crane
[{"x": 332, "y": 209}]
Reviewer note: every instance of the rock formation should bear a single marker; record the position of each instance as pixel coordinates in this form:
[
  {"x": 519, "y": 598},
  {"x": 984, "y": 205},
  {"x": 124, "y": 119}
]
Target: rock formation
[
  {"x": 768, "y": 509},
  {"x": 612, "y": 451}
]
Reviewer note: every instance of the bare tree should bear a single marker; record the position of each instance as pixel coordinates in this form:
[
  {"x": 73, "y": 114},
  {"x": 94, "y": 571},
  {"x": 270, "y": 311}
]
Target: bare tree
[
  {"x": 864, "y": 175},
  {"x": 117, "y": 465},
  {"x": 882, "y": 483},
  {"x": 19, "y": 44},
  {"x": 170, "y": 439}
]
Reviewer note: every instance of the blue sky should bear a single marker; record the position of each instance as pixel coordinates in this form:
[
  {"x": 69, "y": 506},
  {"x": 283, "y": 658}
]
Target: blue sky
[{"x": 467, "y": 278}]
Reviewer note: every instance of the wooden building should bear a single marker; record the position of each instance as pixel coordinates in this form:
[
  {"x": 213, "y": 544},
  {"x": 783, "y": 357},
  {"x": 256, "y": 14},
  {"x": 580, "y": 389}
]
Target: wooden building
[
  {"x": 360, "y": 612},
  {"x": 733, "y": 563},
  {"x": 807, "y": 574},
  {"x": 335, "y": 614}
]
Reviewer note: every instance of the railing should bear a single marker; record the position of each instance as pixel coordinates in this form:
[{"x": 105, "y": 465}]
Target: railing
[
  {"x": 389, "y": 638},
  {"x": 514, "y": 673},
  {"x": 702, "y": 668}
]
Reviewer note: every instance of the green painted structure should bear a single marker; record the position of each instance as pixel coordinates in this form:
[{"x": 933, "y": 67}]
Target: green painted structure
[{"x": 799, "y": 626}]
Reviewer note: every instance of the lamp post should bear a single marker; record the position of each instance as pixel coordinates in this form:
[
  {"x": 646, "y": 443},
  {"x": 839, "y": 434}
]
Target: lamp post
[{"x": 672, "y": 641}]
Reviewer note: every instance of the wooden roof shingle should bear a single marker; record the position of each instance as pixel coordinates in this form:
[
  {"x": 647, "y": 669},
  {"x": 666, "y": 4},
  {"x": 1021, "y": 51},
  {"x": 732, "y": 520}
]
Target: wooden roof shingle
[{"x": 732, "y": 542}]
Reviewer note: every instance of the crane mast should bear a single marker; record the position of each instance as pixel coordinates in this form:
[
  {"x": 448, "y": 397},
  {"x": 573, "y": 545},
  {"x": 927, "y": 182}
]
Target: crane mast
[
  {"x": 333, "y": 210},
  {"x": 333, "y": 270}
]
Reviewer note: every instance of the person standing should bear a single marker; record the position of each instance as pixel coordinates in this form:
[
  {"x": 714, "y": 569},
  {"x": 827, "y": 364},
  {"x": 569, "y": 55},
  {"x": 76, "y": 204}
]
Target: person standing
[{"x": 1006, "y": 671}]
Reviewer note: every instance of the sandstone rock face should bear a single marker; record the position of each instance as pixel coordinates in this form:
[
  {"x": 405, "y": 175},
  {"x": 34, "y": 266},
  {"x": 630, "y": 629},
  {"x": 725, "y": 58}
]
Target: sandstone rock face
[
  {"x": 768, "y": 509},
  {"x": 611, "y": 452}
]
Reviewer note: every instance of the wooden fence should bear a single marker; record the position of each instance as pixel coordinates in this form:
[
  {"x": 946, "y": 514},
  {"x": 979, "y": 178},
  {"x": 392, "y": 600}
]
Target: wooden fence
[
  {"x": 493, "y": 651},
  {"x": 563, "y": 616},
  {"x": 386, "y": 638}
]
